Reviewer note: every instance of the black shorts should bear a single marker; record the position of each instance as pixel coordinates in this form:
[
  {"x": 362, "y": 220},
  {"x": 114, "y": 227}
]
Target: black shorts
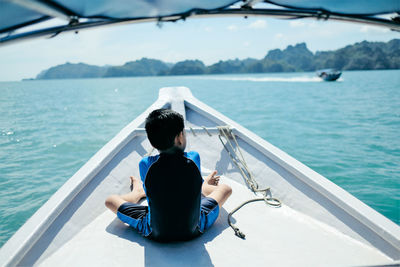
[{"x": 137, "y": 216}]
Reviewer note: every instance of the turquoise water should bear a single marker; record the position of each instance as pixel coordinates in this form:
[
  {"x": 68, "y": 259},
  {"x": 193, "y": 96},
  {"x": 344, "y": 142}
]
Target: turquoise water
[{"x": 347, "y": 130}]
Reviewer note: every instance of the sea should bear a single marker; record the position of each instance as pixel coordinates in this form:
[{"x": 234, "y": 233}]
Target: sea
[{"x": 348, "y": 130}]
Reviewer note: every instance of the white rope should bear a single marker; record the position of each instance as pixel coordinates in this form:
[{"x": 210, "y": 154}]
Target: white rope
[{"x": 240, "y": 162}]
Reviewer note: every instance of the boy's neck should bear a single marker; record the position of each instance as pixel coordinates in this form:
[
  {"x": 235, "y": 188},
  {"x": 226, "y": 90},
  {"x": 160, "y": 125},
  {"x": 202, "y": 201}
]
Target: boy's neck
[{"x": 172, "y": 150}]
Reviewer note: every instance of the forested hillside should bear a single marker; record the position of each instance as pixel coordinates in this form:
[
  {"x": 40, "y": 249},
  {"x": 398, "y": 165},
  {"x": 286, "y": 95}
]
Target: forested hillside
[{"x": 360, "y": 56}]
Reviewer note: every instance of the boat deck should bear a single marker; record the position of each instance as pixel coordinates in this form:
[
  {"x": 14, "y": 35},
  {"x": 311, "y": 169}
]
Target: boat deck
[
  {"x": 274, "y": 237},
  {"x": 319, "y": 224}
]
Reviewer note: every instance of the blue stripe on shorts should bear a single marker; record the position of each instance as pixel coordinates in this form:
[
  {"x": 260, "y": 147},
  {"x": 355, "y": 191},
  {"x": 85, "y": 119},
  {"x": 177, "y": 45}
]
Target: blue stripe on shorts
[
  {"x": 209, "y": 212},
  {"x": 136, "y": 216}
]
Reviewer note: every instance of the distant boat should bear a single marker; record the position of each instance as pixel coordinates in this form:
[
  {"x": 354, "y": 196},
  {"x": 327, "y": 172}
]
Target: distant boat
[{"x": 329, "y": 74}]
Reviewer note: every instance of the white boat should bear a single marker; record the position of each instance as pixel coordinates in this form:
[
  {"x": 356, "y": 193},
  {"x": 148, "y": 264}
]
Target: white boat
[{"x": 318, "y": 223}]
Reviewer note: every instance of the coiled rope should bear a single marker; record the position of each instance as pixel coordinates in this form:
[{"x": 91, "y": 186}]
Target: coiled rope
[{"x": 239, "y": 161}]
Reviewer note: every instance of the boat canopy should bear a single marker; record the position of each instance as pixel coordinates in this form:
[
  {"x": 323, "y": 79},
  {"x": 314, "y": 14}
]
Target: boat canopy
[{"x": 17, "y": 15}]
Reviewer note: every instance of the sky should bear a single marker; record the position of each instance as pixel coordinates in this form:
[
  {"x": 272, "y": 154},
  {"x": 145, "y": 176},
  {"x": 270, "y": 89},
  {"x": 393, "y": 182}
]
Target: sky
[{"x": 208, "y": 40}]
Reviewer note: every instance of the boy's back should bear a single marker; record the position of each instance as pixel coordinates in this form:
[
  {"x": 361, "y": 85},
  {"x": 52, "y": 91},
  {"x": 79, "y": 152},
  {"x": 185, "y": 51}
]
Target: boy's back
[{"x": 173, "y": 188}]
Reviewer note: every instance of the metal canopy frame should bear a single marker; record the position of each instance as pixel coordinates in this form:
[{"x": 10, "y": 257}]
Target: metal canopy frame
[
  {"x": 51, "y": 10},
  {"x": 46, "y": 7}
]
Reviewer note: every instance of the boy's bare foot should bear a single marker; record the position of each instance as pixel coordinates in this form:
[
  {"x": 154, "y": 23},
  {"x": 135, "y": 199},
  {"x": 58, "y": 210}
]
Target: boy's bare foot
[
  {"x": 213, "y": 178},
  {"x": 137, "y": 186}
]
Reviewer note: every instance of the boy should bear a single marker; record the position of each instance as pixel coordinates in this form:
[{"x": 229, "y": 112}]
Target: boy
[{"x": 181, "y": 206}]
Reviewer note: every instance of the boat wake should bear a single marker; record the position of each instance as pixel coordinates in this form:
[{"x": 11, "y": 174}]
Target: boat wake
[{"x": 270, "y": 79}]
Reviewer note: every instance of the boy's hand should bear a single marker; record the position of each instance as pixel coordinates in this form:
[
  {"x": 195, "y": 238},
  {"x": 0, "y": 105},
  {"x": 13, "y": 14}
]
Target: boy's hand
[{"x": 213, "y": 178}]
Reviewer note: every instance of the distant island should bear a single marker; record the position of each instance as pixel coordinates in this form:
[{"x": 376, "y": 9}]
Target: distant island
[{"x": 360, "y": 56}]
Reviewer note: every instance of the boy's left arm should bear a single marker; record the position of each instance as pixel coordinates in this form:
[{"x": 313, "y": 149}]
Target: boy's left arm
[{"x": 193, "y": 155}]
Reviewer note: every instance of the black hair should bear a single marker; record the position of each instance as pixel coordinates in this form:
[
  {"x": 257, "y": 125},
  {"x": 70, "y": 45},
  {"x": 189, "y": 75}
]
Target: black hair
[{"x": 162, "y": 126}]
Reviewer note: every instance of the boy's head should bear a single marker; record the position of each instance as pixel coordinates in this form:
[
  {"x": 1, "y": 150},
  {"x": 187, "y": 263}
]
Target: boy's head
[{"x": 165, "y": 129}]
